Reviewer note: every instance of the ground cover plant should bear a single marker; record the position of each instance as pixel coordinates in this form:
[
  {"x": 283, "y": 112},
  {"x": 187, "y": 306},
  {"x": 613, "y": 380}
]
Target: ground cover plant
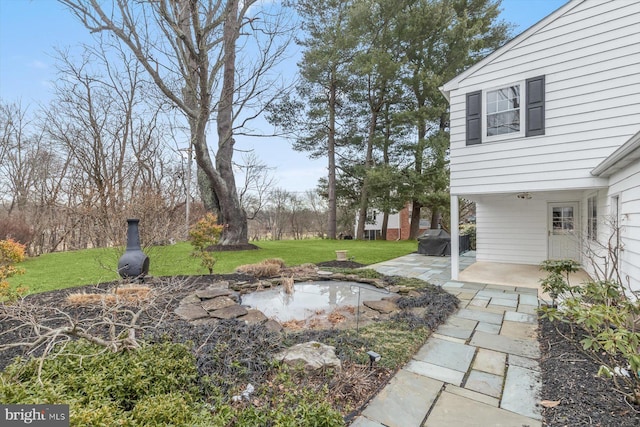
[{"x": 210, "y": 374}]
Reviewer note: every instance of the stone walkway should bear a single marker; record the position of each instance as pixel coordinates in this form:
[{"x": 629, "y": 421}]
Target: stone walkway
[{"x": 480, "y": 368}]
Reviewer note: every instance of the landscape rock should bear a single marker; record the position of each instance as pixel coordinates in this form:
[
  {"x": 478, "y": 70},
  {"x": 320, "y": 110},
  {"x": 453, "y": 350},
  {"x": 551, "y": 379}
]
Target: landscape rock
[
  {"x": 312, "y": 355},
  {"x": 213, "y": 293},
  {"x": 191, "y": 312},
  {"x": 273, "y": 326},
  {"x": 230, "y": 312},
  {"x": 382, "y": 306},
  {"x": 217, "y": 303},
  {"x": 253, "y": 317}
]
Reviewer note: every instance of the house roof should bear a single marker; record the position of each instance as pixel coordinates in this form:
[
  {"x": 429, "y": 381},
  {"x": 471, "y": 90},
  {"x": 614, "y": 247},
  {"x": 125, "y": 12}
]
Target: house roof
[
  {"x": 628, "y": 153},
  {"x": 453, "y": 83}
]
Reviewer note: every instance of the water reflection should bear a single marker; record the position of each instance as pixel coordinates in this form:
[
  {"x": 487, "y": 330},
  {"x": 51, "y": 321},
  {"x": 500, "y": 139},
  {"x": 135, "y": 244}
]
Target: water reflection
[{"x": 310, "y": 298}]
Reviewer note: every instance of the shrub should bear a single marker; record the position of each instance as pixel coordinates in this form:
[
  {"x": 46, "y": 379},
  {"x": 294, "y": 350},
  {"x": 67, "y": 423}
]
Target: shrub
[
  {"x": 154, "y": 385},
  {"x": 266, "y": 268},
  {"x": 204, "y": 234},
  {"x": 11, "y": 253}
]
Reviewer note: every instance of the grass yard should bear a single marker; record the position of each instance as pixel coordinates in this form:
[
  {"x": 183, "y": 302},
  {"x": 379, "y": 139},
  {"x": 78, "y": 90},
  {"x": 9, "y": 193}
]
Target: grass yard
[{"x": 68, "y": 269}]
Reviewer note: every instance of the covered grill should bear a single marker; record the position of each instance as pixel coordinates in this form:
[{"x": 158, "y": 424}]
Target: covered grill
[{"x": 434, "y": 243}]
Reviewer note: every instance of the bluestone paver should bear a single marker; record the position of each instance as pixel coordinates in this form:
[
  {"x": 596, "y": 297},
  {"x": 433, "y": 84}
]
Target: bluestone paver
[
  {"x": 521, "y": 388},
  {"x": 528, "y": 299},
  {"x": 363, "y": 421},
  {"x": 504, "y": 302},
  {"x": 490, "y": 328},
  {"x": 404, "y": 401},
  {"x": 440, "y": 373},
  {"x": 485, "y": 383},
  {"x": 446, "y": 354},
  {"x": 480, "y": 315},
  {"x": 490, "y": 361},
  {"x": 452, "y": 410},
  {"x": 470, "y": 394},
  {"x": 523, "y": 362},
  {"x": 457, "y": 327},
  {"x": 519, "y": 347},
  {"x": 513, "y": 316},
  {"x": 525, "y": 331}
]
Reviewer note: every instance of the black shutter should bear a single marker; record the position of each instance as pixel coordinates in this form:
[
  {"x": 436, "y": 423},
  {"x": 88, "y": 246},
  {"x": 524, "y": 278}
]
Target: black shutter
[
  {"x": 474, "y": 118},
  {"x": 534, "y": 119}
]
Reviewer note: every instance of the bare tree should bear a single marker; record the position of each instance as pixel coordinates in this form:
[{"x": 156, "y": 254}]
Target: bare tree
[
  {"x": 256, "y": 184},
  {"x": 190, "y": 50}
]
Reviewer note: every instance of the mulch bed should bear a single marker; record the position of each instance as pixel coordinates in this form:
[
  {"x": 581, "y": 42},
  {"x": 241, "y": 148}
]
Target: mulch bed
[{"x": 569, "y": 375}]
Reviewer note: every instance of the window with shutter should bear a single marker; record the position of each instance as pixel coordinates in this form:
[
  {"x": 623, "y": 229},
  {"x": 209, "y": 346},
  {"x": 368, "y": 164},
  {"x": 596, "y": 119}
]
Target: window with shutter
[
  {"x": 513, "y": 111},
  {"x": 535, "y": 106},
  {"x": 474, "y": 118}
]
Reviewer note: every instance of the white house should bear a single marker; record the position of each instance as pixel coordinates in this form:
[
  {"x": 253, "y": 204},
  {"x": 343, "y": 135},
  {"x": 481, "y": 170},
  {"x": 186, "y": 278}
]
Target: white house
[{"x": 545, "y": 138}]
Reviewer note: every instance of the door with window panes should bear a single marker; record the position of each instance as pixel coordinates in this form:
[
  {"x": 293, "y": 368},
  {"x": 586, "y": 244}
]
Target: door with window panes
[{"x": 563, "y": 225}]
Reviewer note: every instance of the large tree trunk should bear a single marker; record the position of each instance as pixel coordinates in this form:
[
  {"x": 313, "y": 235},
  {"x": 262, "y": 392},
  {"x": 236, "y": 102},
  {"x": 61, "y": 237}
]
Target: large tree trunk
[
  {"x": 232, "y": 214},
  {"x": 364, "y": 191},
  {"x": 331, "y": 149}
]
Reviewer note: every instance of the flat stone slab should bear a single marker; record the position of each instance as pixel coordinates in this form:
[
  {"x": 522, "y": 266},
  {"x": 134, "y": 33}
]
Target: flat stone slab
[
  {"x": 382, "y": 306},
  {"x": 457, "y": 327},
  {"x": 492, "y": 293},
  {"x": 490, "y": 361},
  {"x": 218, "y": 303},
  {"x": 524, "y": 362},
  {"x": 253, "y": 317},
  {"x": 440, "y": 373},
  {"x": 489, "y": 328},
  {"x": 519, "y": 347},
  {"x": 521, "y": 394},
  {"x": 504, "y": 302},
  {"x": 453, "y": 410},
  {"x": 470, "y": 394},
  {"x": 527, "y": 299},
  {"x": 525, "y": 331},
  {"x": 362, "y": 421},
  {"x": 513, "y": 316},
  {"x": 191, "y": 312},
  {"x": 485, "y": 383},
  {"x": 230, "y": 312},
  {"x": 447, "y": 354},
  {"x": 480, "y": 316},
  {"x": 405, "y": 401},
  {"x": 213, "y": 293}
]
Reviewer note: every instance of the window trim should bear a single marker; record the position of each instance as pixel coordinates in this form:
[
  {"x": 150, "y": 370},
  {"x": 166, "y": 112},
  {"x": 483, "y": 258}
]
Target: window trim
[{"x": 522, "y": 107}]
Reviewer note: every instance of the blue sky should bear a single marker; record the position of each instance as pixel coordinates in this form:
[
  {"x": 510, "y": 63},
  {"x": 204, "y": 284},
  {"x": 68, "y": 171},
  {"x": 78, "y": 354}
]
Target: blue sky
[{"x": 31, "y": 29}]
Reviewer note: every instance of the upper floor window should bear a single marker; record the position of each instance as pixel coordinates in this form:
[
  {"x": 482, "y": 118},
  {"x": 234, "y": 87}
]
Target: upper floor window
[
  {"x": 516, "y": 110},
  {"x": 503, "y": 111}
]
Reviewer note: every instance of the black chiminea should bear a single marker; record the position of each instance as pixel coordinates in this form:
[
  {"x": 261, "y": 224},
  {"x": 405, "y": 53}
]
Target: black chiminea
[{"x": 133, "y": 263}]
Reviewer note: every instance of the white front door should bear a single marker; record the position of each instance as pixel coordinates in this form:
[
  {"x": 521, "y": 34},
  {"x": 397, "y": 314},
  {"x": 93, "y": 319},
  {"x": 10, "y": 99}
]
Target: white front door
[{"x": 563, "y": 224}]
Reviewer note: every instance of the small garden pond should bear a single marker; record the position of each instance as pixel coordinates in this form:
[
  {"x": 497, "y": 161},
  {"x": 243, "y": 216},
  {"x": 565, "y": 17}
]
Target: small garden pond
[{"x": 311, "y": 298}]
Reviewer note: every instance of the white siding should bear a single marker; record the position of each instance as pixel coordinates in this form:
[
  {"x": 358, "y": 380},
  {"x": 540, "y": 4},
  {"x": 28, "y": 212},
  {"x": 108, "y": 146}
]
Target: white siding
[
  {"x": 512, "y": 230},
  {"x": 590, "y": 57},
  {"x": 626, "y": 185}
]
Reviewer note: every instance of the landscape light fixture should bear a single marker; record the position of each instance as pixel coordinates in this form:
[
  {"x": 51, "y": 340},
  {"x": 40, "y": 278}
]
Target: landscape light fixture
[{"x": 373, "y": 357}]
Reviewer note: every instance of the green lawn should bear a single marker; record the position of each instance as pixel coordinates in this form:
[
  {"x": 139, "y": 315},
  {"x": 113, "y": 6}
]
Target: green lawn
[{"x": 92, "y": 266}]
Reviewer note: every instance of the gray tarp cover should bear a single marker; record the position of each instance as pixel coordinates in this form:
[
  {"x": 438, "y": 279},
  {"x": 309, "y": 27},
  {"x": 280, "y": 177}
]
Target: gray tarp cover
[{"x": 434, "y": 243}]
